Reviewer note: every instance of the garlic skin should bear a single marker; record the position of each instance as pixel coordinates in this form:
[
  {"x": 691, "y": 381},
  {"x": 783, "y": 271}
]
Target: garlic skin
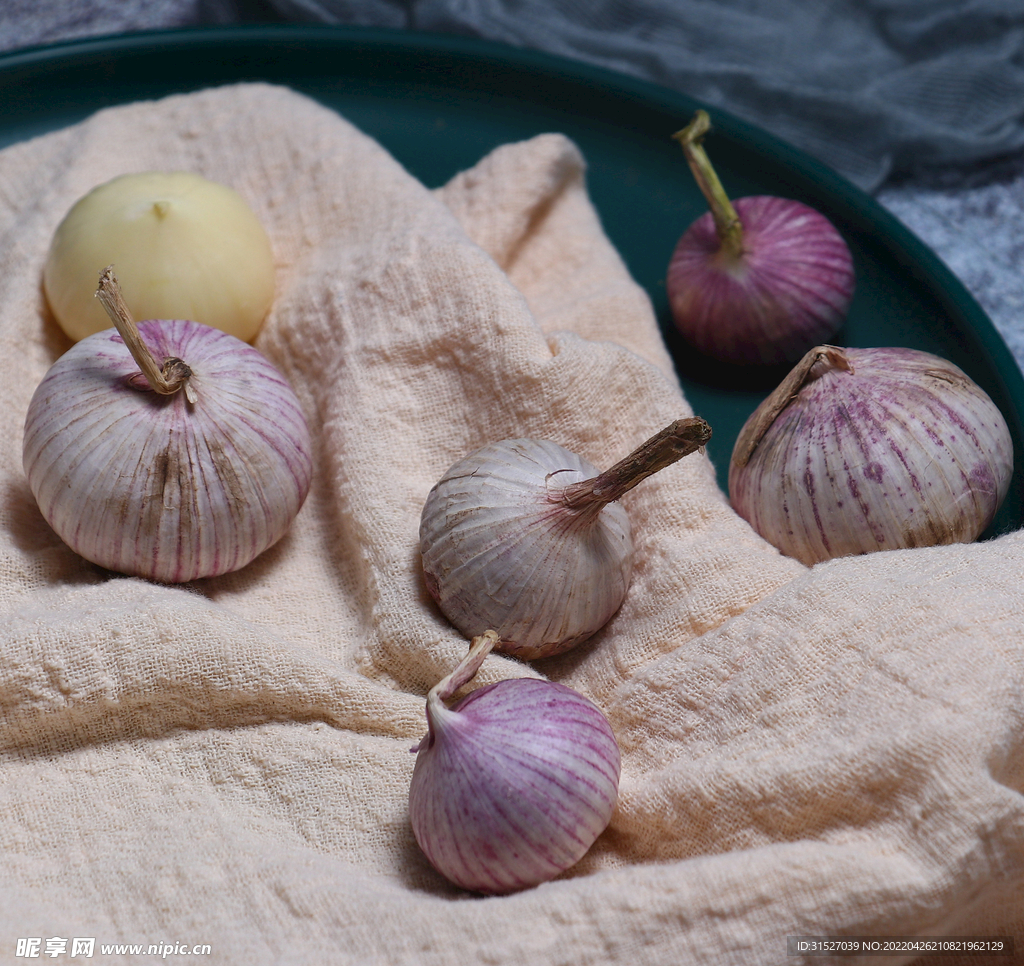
[
  {"x": 155, "y": 485},
  {"x": 526, "y": 538},
  {"x": 512, "y": 784},
  {"x": 185, "y": 248},
  {"x": 861, "y": 450}
]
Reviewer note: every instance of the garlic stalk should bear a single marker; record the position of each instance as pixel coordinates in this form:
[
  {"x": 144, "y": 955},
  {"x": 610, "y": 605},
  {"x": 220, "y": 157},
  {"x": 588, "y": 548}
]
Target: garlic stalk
[
  {"x": 166, "y": 449},
  {"x": 526, "y": 538},
  {"x": 166, "y": 379},
  {"x": 860, "y": 450},
  {"x": 512, "y": 784}
]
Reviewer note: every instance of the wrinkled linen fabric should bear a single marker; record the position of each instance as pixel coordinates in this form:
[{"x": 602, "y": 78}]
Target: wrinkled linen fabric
[{"x": 827, "y": 751}]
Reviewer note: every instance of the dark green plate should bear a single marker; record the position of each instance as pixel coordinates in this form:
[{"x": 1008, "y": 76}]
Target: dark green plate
[{"x": 439, "y": 103}]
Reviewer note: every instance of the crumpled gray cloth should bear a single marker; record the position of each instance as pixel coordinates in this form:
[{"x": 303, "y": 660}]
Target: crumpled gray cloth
[
  {"x": 971, "y": 219},
  {"x": 868, "y": 86}
]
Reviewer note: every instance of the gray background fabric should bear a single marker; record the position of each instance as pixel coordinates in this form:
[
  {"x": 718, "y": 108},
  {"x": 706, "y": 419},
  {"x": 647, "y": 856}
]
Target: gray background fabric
[
  {"x": 919, "y": 101},
  {"x": 870, "y": 86}
]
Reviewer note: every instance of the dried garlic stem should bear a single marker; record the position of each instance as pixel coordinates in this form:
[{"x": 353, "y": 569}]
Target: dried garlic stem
[
  {"x": 727, "y": 222},
  {"x": 480, "y": 647},
  {"x": 815, "y": 363},
  {"x": 681, "y": 438},
  {"x": 166, "y": 379}
]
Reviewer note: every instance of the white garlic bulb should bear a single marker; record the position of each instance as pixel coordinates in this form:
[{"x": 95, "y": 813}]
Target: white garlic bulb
[
  {"x": 185, "y": 248},
  {"x": 861, "y": 450},
  {"x": 182, "y": 470},
  {"x": 525, "y": 538}
]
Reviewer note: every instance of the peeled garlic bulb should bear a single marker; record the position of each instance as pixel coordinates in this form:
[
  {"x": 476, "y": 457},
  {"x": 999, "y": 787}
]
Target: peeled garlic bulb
[
  {"x": 185, "y": 248},
  {"x": 526, "y": 538},
  {"x": 512, "y": 784},
  {"x": 188, "y": 468},
  {"x": 861, "y": 450}
]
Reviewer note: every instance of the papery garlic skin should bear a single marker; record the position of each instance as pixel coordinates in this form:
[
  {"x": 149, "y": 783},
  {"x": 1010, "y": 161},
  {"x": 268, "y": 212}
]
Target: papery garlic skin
[
  {"x": 900, "y": 450},
  {"x": 152, "y": 485},
  {"x": 184, "y": 247},
  {"x": 490, "y": 558},
  {"x": 513, "y": 784}
]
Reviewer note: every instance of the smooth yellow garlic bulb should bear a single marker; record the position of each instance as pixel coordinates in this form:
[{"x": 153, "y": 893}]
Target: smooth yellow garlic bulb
[{"x": 183, "y": 247}]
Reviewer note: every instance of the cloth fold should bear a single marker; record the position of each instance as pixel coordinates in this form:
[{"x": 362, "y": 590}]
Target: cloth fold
[{"x": 823, "y": 751}]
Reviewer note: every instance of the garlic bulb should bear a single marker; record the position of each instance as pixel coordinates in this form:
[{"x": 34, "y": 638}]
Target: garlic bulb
[
  {"x": 512, "y": 784},
  {"x": 871, "y": 449},
  {"x": 758, "y": 280},
  {"x": 185, "y": 247},
  {"x": 525, "y": 537},
  {"x": 182, "y": 470}
]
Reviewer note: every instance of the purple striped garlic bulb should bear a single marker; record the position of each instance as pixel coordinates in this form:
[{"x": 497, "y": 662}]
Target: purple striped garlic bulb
[
  {"x": 756, "y": 281},
  {"x": 172, "y": 470},
  {"x": 860, "y": 450},
  {"x": 513, "y": 783}
]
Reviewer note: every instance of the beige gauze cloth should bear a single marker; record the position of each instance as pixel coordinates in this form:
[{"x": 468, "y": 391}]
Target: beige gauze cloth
[{"x": 834, "y": 751}]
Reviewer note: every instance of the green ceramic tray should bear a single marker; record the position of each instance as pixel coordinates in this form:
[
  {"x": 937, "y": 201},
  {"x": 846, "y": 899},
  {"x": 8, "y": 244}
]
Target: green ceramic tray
[{"x": 438, "y": 103}]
